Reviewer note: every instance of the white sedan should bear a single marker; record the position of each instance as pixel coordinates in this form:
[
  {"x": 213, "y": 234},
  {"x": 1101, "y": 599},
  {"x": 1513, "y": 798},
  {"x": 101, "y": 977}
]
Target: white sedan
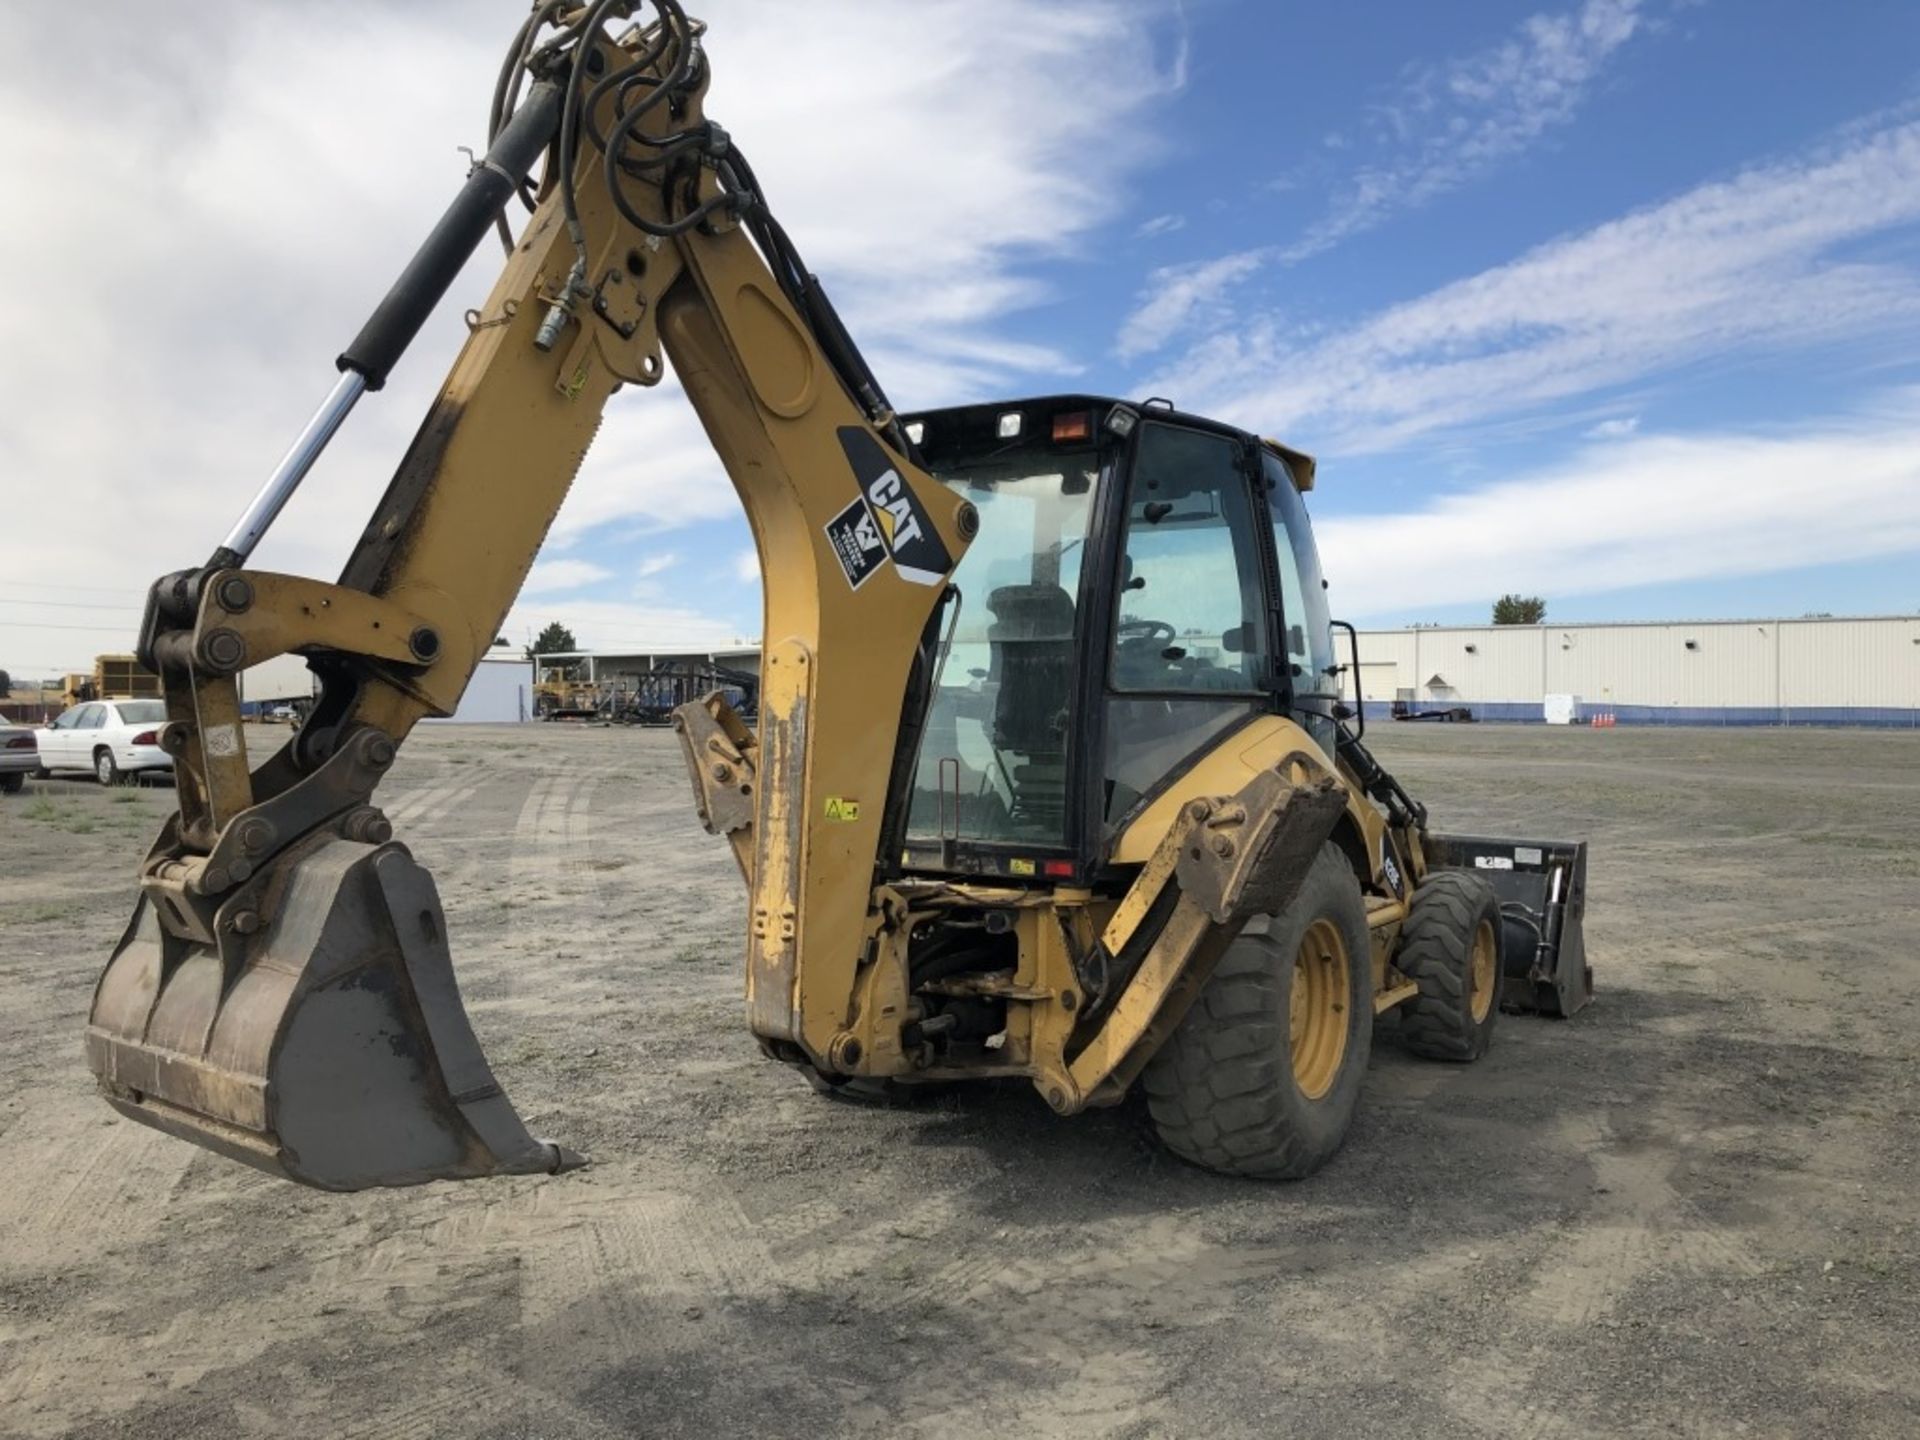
[{"x": 111, "y": 738}]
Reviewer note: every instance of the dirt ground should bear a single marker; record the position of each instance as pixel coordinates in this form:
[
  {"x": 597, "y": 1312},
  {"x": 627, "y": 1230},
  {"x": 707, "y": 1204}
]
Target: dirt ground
[{"x": 1690, "y": 1211}]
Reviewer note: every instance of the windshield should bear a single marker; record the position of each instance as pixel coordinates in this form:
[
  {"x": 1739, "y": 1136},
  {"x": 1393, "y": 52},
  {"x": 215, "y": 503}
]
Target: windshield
[
  {"x": 142, "y": 712},
  {"x": 1303, "y": 605},
  {"x": 993, "y": 760}
]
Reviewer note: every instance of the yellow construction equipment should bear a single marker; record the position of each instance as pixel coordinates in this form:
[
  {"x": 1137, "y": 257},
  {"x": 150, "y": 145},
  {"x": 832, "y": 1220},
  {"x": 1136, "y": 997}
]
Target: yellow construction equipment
[
  {"x": 1053, "y": 775},
  {"x": 114, "y": 677},
  {"x": 559, "y": 695}
]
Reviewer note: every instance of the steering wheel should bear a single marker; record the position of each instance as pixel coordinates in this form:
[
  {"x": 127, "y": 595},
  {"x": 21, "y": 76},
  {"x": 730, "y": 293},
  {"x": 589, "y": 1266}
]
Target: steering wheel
[{"x": 1143, "y": 634}]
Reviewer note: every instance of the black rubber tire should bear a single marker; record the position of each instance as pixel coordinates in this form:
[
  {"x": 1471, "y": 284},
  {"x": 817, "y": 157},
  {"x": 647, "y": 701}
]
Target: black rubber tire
[
  {"x": 1221, "y": 1091},
  {"x": 1436, "y": 953},
  {"x": 105, "y": 769},
  {"x": 11, "y": 782}
]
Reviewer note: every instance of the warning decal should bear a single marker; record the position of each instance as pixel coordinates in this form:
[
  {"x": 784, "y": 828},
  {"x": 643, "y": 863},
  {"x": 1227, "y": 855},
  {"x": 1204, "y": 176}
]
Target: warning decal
[{"x": 856, "y": 542}]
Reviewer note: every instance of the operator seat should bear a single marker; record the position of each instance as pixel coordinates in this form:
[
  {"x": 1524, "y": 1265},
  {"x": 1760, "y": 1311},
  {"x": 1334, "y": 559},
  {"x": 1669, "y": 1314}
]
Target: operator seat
[
  {"x": 1032, "y": 645},
  {"x": 1031, "y": 640}
]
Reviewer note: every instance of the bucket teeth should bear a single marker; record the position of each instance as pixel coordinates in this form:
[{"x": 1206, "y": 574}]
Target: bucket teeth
[{"x": 338, "y": 1054}]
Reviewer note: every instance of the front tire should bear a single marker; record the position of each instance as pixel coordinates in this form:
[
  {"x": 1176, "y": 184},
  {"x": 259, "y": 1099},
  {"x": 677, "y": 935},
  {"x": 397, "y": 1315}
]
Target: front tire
[
  {"x": 1450, "y": 948},
  {"x": 105, "y": 769},
  {"x": 1264, "y": 1073}
]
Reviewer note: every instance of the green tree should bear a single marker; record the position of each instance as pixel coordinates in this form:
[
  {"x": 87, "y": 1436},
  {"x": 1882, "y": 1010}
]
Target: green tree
[
  {"x": 556, "y": 639},
  {"x": 1519, "y": 610}
]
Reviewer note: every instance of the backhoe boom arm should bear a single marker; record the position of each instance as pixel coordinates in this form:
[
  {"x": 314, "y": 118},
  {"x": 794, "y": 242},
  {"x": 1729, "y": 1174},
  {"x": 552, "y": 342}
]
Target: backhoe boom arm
[{"x": 282, "y": 938}]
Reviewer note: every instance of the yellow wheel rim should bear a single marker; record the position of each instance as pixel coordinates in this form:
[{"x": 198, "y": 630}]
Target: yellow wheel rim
[
  {"x": 1482, "y": 977},
  {"x": 1317, "y": 1012}
]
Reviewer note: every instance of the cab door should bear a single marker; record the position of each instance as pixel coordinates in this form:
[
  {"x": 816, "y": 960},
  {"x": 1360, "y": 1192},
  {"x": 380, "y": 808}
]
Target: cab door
[{"x": 1190, "y": 655}]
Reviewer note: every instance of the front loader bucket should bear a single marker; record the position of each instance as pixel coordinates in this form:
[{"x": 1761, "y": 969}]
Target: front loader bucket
[
  {"x": 1542, "y": 885},
  {"x": 329, "y": 1046}
]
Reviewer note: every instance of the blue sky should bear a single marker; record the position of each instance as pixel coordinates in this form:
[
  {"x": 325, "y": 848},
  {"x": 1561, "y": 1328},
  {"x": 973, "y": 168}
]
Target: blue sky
[
  {"x": 1308, "y": 169},
  {"x": 1609, "y": 301}
]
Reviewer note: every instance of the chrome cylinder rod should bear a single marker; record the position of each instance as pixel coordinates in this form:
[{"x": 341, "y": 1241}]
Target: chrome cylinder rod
[{"x": 294, "y": 465}]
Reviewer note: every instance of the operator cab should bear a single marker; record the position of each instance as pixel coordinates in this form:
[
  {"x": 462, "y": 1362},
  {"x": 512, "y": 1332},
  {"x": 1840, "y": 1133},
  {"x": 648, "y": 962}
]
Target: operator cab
[{"x": 1142, "y": 582}]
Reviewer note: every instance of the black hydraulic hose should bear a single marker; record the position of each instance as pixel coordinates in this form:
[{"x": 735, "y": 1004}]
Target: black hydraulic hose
[{"x": 398, "y": 318}]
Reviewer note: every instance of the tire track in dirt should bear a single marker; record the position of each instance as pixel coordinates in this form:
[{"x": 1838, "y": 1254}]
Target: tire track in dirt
[
  {"x": 624, "y": 1275},
  {"x": 102, "y": 1184},
  {"x": 410, "y": 806},
  {"x": 449, "y": 802},
  {"x": 549, "y": 870},
  {"x": 1639, "y": 1225}
]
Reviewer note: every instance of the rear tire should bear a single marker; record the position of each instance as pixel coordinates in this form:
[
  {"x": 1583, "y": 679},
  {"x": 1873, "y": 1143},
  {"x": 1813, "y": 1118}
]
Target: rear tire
[
  {"x": 1450, "y": 948},
  {"x": 11, "y": 782},
  {"x": 105, "y": 769},
  {"x": 1251, "y": 1083}
]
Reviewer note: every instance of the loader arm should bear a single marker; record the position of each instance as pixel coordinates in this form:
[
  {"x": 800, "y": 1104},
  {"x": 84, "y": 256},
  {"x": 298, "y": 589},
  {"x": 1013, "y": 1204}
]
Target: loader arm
[{"x": 284, "y": 992}]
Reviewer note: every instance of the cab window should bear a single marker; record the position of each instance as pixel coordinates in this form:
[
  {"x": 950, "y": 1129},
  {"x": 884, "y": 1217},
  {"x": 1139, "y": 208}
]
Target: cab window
[
  {"x": 1308, "y": 636},
  {"x": 1190, "y": 612},
  {"x": 993, "y": 759},
  {"x": 1191, "y": 655}
]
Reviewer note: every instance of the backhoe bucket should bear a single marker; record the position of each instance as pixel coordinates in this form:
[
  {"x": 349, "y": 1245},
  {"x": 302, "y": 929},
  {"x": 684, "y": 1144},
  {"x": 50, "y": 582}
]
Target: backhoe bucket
[
  {"x": 329, "y": 1046},
  {"x": 1542, "y": 885}
]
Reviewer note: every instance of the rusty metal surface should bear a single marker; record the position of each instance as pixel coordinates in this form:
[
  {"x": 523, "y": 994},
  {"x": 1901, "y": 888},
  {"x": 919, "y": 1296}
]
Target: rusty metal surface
[
  {"x": 720, "y": 753},
  {"x": 1247, "y": 855}
]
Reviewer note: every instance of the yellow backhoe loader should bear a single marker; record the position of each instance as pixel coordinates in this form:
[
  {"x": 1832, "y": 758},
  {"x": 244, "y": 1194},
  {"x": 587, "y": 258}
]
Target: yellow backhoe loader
[{"x": 1053, "y": 776}]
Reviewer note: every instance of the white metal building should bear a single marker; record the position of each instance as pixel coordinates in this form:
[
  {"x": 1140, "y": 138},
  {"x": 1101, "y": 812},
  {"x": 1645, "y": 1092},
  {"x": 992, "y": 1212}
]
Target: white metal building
[
  {"x": 1813, "y": 671},
  {"x": 501, "y": 691},
  {"x": 1826, "y": 671}
]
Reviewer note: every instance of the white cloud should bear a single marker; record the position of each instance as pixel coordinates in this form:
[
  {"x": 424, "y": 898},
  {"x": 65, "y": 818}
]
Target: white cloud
[
  {"x": 746, "y": 566},
  {"x": 653, "y": 564},
  {"x": 282, "y": 172},
  {"x": 1617, "y": 428},
  {"x": 1731, "y": 269},
  {"x": 1650, "y": 509},
  {"x": 990, "y": 160},
  {"x": 548, "y": 576},
  {"x": 1179, "y": 297},
  {"x": 1160, "y": 225},
  {"x": 1448, "y": 124}
]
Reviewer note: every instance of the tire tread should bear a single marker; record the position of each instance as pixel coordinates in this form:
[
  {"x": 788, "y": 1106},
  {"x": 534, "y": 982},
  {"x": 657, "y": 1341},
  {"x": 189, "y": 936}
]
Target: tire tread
[
  {"x": 1218, "y": 1090},
  {"x": 1436, "y": 953}
]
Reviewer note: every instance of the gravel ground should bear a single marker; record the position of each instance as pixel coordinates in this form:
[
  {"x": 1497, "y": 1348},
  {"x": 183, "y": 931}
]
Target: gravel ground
[{"x": 1689, "y": 1211}]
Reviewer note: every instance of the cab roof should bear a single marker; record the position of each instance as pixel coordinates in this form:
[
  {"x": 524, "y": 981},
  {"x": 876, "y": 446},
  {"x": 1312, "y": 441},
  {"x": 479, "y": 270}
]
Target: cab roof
[{"x": 1300, "y": 465}]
